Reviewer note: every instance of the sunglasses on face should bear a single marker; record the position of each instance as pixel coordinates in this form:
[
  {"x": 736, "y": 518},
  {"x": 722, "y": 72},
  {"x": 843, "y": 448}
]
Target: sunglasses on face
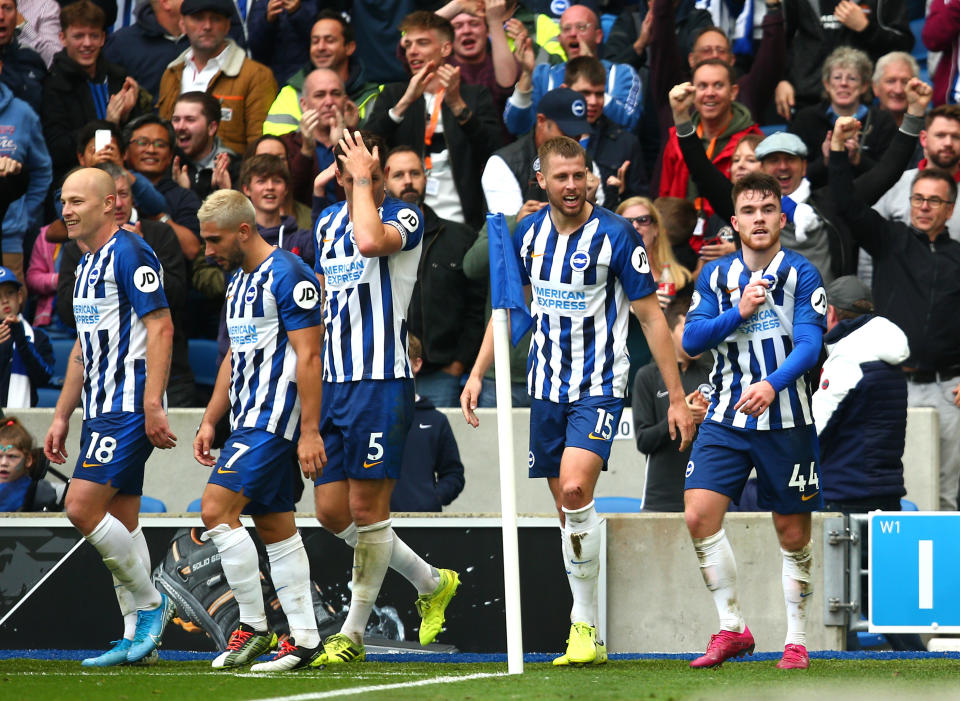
[{"x": 642, "y": 220}]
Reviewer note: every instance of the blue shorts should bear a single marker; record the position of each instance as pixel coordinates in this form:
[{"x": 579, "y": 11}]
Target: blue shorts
[
  {"x": 260, "y": 465},
  {"x": 787, "y": 462},
  {"x": 589, "y": 423},
  {"x": 113, "y": 450},
  {"x": 364, "y": 426}
]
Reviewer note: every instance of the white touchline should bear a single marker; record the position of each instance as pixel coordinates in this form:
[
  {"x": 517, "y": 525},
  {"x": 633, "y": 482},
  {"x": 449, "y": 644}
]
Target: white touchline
[
  {"x": 43, "y": 579},
  {"x": 381, "y": 687},
  {"x": 925, "y": 557}
]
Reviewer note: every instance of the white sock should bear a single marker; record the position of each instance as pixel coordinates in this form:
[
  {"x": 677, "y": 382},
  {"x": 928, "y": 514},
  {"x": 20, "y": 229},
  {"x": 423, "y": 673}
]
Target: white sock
[
  {"x": 128, "y": 608},
  {"x": 241, "y": 567},
  {"x": 797, "y": 589},
  {"x": 115, "y": 545},
  {"x": 371, "y": 558},
  {"x": 403, "y": 560},
  {"x": 581, "y": 535},
  {"x": 290, "y": 572},
  {"x": 719, "y": 571}
]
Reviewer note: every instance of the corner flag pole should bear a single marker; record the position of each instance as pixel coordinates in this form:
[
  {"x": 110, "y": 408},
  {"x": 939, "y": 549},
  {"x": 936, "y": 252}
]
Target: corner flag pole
[
  {"x": 508, "y": 495},
  {"x": 511, "y": 320}
]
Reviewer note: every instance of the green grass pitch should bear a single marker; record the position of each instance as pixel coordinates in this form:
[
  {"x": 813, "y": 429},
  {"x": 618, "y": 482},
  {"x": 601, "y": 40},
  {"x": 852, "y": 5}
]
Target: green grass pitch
[{"x": 663, "y": 680}]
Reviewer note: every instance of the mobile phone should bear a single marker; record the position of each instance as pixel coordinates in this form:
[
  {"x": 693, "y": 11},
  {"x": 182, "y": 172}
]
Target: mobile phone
[{"x": 101, "y": 139}]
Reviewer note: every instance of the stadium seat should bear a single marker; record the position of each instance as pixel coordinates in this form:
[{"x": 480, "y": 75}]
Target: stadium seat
[
  {"x": 618, "y": 505},
  {"x": 194, "y": 506},
  {"x": 61, "y": 356},
  {"x": 47, "y": 397},
  {"x": 203, "y": 361},
  {"x": 149, "y": 505},
  {"x": 907, "y": 505}
]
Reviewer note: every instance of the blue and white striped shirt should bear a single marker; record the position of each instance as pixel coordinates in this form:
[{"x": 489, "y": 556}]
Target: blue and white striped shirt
[
  {"x": 582, "y": 285},
  {"x": 365, "y": 311},
  {"x": 115, "y": 288},
  {"x": 758, "y": 346},
  {"x": 281, "y": 295}
]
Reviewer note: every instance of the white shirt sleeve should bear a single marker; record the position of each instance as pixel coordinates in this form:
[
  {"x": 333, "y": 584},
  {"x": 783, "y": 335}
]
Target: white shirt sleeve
[{"x": 500, "y": 187}]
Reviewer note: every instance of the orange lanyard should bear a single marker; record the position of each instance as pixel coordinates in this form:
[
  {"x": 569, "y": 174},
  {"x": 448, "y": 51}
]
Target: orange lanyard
[
  {"x": 432, "y": 126},
  {"x": 711, "y": 147}
]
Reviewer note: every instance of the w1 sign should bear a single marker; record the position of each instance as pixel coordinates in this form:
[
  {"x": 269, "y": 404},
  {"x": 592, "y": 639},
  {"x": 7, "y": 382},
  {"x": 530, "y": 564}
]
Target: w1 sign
[{"x": 914, "y": 562}]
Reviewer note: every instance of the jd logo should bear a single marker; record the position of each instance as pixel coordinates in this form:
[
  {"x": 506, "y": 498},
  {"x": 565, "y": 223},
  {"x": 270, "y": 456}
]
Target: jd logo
[
  {"x": 146, "y": 279},
  {"x": 305, "y": 295}
]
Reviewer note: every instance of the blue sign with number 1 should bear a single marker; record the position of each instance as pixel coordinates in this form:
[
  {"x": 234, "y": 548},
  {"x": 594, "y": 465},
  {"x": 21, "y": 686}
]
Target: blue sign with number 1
[{"x": 914, "y": 564}]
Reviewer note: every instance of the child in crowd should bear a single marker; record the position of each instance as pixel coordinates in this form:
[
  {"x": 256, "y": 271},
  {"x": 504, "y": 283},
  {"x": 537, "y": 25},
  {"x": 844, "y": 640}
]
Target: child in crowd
[
  {"x": 26, "y": 356},
  {"x": 18, "y": 490}
]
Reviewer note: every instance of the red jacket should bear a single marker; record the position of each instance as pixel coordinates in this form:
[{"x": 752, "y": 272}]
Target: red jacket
[
  {"x": 675, "y": 178},
  {"x": 940, "y": 33}
]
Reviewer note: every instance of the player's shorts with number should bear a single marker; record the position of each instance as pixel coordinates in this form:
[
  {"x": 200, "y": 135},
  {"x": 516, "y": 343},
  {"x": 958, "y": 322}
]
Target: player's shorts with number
[
  {"x": 113, "y": 450},
  {"x": 589, "y": 423},
  {"x": 787, "y": 462},
  {"x": 364, "y": 425},
  {"x": 261, "y": 465}
]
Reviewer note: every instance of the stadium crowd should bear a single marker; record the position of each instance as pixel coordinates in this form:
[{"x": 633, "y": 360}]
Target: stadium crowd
[{"x": 674, "y": 103}]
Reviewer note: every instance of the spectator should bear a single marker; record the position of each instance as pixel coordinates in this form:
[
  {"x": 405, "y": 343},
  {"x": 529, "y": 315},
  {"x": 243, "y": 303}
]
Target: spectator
[
  {"x": 860, "y": 411},
  {"x": 279, "y": 32},
  {"x": 26, "y": 356},
  {"x": 874, "y": 26},
  {"x": 22, "y": 141},
  {"x": 268, "y": 143},
  {"x": 915, "y": 270},
  {"x": 326, "y": 113},
  {"x": 452, "y": 126},
  {"x": 446, "y": 309},
  {"x": 148, "y": 45},
  {"x": 580, "y": 36},
  {"x": 150, "y": 153},
  {"x": 19, "y": 491},
  {"x": 83, "y": 86},
  {"x": 265, "y": 180},
  {"x": 217, "y": 65},
  {"x": 755, "y": 88},
  {"x": 23, "y": 68},
  {"x": 890, "y": 77},
  {"x": 332, "y": 47},
  {"x": 431, "y": 474},
  {"x": 481, "y": 51},
  {"x": 40, "y": 28},
  {"x": 615, "y": 152},
  {"x": 42, "y": 276},
  {"x": 632, "y": 34},
  {"x": 162, "y": 239},
  {"x": 846, "y": 80},
  {"x": 14, "y": 180},
  {"x": 718, "y": 121},
  {"x": 509, "y": 179},
  {"x": 941, "y": 32},
  {"x": 209, "y": 165},
  {"x": 645, "y": 218},
  {"x": 664, "y": 475}
]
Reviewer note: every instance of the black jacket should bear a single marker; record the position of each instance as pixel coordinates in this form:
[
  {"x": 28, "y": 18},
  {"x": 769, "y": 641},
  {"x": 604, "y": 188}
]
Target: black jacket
[
  {"x": 23, "y": 72},
  {"x": 446, "y": 309},
  {"x": 812, "y": 35},
  {"x": 431, "y": 475},
  {"x": 68, "y": 106},
  {"x": 666, "y": 465},
  {"x": 916, "y": 282},
  {"x": 519, "y": 157},
  {"x": 610, "y": 145},
  {"x": 36, "y": 356},
  {"x": 469, "y": 145}
]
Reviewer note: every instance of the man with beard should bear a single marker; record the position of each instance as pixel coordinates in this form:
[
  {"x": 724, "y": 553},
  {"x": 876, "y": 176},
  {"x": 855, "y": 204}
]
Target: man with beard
[
  {"x": 762, "y": 312},
  {"x": 209, "y": 165},
  {"x": 446, "y": 309},
  {"x": 587, "y": 270}
]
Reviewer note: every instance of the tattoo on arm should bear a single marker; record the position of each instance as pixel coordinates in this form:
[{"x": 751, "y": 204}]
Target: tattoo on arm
[
  {"x": 363, "y": 181},
  {"x": 78, "y": 359}
]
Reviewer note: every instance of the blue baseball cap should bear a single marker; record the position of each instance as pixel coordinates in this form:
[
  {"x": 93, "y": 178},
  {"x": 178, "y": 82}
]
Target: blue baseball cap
[
  {"x": 568, "y": 109},
  {"x": 6, "y": 275}
]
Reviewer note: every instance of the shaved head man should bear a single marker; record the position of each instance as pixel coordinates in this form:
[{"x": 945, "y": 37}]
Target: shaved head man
[{"x": 89, "y": 199}]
